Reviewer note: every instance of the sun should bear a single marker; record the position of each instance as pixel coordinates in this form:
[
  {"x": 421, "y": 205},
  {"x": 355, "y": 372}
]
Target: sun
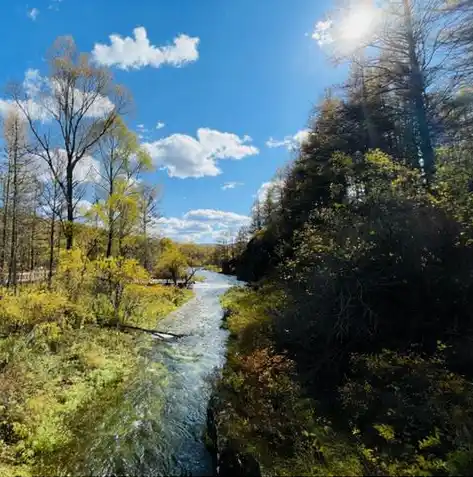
[{"x": 357, "y": 24}]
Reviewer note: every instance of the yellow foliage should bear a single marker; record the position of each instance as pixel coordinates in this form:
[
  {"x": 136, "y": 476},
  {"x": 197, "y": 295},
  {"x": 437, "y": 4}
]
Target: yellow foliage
[
  {"x": 34, "y": 307},
  {"x": 73, "y": 273}
]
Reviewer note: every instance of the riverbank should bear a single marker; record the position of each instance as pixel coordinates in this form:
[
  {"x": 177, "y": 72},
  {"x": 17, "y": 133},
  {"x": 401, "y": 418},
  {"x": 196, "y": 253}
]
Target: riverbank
[
  {"x": 59, "y": 368},
  {"x": 392, "y": 413},
  {"x": 260, "y": 421}
]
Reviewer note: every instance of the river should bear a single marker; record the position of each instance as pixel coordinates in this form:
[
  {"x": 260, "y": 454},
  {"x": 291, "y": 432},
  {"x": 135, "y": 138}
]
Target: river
[{"x": 156, "y": 426}]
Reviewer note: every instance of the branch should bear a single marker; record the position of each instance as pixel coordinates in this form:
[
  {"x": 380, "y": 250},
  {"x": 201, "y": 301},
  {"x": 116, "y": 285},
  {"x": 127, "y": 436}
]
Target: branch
[{"x": 145, "y": 330}]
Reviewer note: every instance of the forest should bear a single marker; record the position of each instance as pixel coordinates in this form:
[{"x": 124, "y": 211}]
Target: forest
[{"x": 351, "y": 350}]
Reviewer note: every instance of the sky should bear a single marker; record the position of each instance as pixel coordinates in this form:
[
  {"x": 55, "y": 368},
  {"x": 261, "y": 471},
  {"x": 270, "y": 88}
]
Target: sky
[{"x": 222, "y": 89}]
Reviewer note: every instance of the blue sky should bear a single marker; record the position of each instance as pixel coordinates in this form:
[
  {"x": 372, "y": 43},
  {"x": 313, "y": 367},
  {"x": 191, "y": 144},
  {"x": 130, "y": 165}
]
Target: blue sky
[{"x": 245, "y": 69}]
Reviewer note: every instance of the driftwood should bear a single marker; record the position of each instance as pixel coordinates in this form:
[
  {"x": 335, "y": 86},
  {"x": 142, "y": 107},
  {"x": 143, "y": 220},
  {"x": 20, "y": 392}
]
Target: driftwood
[{"x": 145, "y": 330}]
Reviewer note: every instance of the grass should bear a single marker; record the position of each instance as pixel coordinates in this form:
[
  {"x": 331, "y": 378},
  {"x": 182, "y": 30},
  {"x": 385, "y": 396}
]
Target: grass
[{"x": 51, "y": 370}]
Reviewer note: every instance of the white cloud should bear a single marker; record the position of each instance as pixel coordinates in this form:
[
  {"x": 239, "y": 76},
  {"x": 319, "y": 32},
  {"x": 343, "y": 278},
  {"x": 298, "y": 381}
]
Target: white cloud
[
  {"x": 86, "y": 170},
  {"x": 185, "y": 156},
  {"x": 160, "y": 125},
  {"x": 40, "y": 102},
  {"x": 231, "y": 185},
  {"x": 203, "y": 225},
  {"x": 212, "y": 215},
  {"x": 290, "y": 142},
  {"x": 322, "y": 32},
  {"x": 262, "y": 193},
  {"x": 33, "y": 14},
  {"x": 138, "y": 52},
  {"x": 82, "y": 207},
  {"x": 54, "y": 5}
]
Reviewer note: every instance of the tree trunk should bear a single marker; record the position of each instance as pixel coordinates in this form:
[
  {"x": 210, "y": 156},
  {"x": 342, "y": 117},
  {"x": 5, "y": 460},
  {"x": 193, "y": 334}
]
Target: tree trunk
[
  {"x": 110, "y": 239},
  {"x": 51, "y": 236},
  {"x": 69, "y": 229},
  {"x": 33, "y": 232},
  {"x": 12, "y": 272},
  {"x": 51, "y": 251},
  {"x": 111, "y": 227},
  {"x": 6, "y": 203},
  {"x": 417, "y": 92}
]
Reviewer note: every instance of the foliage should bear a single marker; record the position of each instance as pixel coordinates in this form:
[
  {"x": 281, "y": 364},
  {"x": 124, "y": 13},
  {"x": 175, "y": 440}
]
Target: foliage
[
  {"x": 112, "y": 278},
  {"x": 58, "y": 364},
  {"x": 261, "y": 407},
  {"x": 372, "y": 264},
  {"x": 172, "y": 265}
]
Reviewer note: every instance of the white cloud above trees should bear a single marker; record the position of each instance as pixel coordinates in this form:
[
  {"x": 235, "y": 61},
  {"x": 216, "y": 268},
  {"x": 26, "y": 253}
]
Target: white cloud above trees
[
  {"x": 200, "y": 225},
  {"x": 289, "y": 142},
  {"x": 231, "y": 185},
  {"x": 138, "y": 52},
  {"x": 186, "y": 156},
  {"x": 262, "y": 193},
  {"x": 40, "y": 103}
]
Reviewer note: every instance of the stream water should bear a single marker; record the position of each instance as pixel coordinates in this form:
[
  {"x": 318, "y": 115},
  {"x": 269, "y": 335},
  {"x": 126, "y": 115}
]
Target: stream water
[{"x": 156, "y": 426}]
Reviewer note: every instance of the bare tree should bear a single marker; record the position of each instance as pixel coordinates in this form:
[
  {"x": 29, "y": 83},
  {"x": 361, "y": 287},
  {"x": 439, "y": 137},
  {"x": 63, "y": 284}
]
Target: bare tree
[
  {"x": 68, "y": 113},
  {"x": 16, "y": 148},
  {"x": 122, "y": 160},
  {"x": 149, "y": 212},
  {"x": 405, "y": 52},
  {"x": 52, "y": 205}
]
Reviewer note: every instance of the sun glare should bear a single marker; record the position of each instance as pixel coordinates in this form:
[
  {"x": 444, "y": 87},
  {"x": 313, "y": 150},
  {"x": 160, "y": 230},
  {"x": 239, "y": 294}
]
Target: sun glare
[{"x": 357, "y": 24}]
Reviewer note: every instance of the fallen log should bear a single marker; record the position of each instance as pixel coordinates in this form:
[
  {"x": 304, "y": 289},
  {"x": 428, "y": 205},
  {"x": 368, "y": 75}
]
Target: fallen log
[{"x": 146, "y": 330}]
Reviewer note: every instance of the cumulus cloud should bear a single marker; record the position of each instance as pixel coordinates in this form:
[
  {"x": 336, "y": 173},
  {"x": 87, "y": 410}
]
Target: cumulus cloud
[
  {"x": 33, "y": 14},
  {"x": 160, "y": 125},
  {"x": 86, "y": 170},
  {"x": 185, "y": 156},
  {"x": 231, "y": 185},
  {"x": 137, "y": 52},
  {"x": 289, "y": 142},
  {"x": 201, "y": 226},
  {"x": 212, "y": 215},
  {"x": 40, "y": 102}
]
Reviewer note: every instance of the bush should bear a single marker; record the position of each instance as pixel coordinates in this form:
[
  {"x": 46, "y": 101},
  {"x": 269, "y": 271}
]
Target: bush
[{"x": 24, "y": 311}]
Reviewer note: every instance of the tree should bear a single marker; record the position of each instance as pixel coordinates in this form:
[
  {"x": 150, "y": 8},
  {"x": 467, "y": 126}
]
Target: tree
[
  {"x": 17, "y": 187},
  {"x": 257, "y": 216},
  {"x": 148, "y": 211},
  {"x": 122, "y": 160},
  {"x": 52, "y": 207},
  {"x": 68, "y": 113},
  {"x": 459, "y": 37},
  {"x": 405, "y": 52},
  {"x": 172, "y": 264}
]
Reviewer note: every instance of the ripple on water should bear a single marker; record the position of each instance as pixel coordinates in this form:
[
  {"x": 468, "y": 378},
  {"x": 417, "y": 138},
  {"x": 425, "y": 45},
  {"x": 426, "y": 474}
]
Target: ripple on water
[{"x": 156, "y": 426}]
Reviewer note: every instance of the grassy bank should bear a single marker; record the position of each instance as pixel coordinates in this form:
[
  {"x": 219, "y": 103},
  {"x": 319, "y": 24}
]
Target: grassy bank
[
  {"x": 263, "y": 410},
  {"x": 392, "y": 413},
  {"x": 59, "y": 358}
]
